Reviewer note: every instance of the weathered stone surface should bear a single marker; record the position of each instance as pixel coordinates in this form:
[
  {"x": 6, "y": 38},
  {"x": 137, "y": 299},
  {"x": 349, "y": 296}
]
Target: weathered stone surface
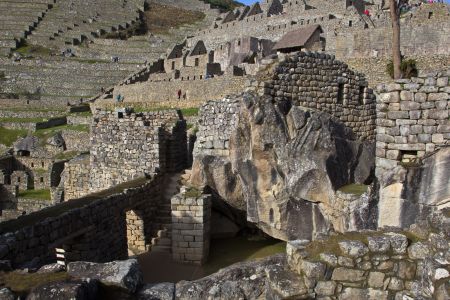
[
  {"x": 325, "y": 288},
  {"x": 376, "y": 279},
  {"x": 124, "y": 274},
  {"x": 157, "y": 291},
  {"x": 285, "y": 178},
  {"x": 348, "y": 275},
  {"x": 245, "y": 280},
  {"x": 353, "y": 248},
  {"x": 369, "y": 294},
  {"x": 6, "y": 294},
  {"x": 379, "y": 243},
  {"x": 77, "y": 290},
  {"x": 418, "y": 250}
]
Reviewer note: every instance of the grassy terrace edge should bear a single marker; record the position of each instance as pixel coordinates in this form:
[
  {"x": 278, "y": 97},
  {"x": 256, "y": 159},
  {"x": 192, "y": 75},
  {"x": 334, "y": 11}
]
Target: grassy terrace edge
[{"x": 58, "y": 209}]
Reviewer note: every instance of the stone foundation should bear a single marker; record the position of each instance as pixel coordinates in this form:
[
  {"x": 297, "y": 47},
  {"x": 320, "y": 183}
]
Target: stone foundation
[{"x": 191, "y": 227}]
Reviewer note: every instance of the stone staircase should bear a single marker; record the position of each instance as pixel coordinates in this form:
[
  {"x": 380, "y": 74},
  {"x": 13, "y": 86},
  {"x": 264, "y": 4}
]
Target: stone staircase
[{"x": 163, "y": 240}]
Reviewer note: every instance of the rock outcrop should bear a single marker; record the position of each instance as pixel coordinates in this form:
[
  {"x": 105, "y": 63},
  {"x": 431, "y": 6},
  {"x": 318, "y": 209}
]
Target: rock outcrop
[{"x": 283, "y": 167}]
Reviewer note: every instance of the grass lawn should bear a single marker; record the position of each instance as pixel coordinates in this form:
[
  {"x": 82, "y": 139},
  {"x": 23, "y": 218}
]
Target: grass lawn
[
  {"x": 33, "y": 50},
  {"x": 9, "y": 136},
  {"x": 66, "y": 155},
  {"x": 36, "y": 194},
  {"x": 23, "y": 120},
  {"x": 187, "y": 112}
]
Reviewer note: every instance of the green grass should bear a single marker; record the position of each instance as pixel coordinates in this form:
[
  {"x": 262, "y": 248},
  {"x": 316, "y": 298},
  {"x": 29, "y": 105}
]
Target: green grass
[
  {"x": 66, "y": 155},
  {"x": 23, "y": 120},
  {"x": 27, "y": 109},
  {"x": 45, "y": 134},
  {"x": 356, "y": 189},
  {"x": 33, "y": 50},
  {"x": 36, "y": 194},
  {"x": 187, "y": 112},
  {"x": 82, "y": 114},
  {"x": 23, "y": 283},
  {"x": 9, "y": 136},
  {"x": 192, "y": 192}
]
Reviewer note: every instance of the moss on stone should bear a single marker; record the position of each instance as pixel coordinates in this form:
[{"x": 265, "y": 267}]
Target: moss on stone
[
  {"x": 23, "y": 283},
  {"x": 356, "y": 189},
  {"x": 36, "y": 194}
]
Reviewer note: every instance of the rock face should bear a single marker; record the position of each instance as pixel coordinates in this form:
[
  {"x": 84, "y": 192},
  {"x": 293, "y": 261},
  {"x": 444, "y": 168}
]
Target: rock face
[
  {"x": 409, "y": 194},
  {"x": 124, "y": 274},
  {"x": 283, "y": 167}
]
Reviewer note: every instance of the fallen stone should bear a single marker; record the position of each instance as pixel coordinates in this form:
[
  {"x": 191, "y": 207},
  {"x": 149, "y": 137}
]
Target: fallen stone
[
  {"x": 74, "y": 290},
  {"x": 124, "y": 274},
  {"x": 157, "y": 291}
]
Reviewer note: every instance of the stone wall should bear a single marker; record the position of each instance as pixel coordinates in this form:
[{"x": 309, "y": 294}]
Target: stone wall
[
  {"x": 76, "y": 140},
  {"x": 375, "y": 266},
  {"x": 317, "y": 81},
  {"x": 76, "y": 177},
  {"x": 217, "y": 120},
  {"x": 125, "y": 146},
  {"x": 32, "y": 205},
  {"x": 91, "y": 229},
  {"x": 195, "y": 90},
  {"x": 191, "y": 217},
  {"x": 412, "y": 118}
]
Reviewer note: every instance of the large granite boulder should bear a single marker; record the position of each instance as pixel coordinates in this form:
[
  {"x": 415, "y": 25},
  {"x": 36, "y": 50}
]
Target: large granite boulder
[
  {"x": 124, "y": 274},
  {"x": 283, "y": 166}
]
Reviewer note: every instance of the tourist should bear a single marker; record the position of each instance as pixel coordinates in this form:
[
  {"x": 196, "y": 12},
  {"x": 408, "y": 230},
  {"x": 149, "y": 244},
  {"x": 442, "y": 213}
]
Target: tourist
[
  {"x": 118, "y": 98},
  {"x": 179, "y": 94}
]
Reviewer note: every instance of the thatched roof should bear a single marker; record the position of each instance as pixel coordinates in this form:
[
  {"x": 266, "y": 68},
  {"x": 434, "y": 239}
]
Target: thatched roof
[{"x": 297, "y": 38}]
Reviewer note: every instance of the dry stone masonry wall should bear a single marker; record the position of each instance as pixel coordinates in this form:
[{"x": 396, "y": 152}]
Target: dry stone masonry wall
[
  {"x": 217, "y": 121},
  {"x": 412, "y": 118},
  {"x": 191, "y": 219},
  {"x": 379, "y": 266},
  {"x": 93, "y": 232},
  {"x": 318, "y": 81},
  {"x": 125, "y": 146}
]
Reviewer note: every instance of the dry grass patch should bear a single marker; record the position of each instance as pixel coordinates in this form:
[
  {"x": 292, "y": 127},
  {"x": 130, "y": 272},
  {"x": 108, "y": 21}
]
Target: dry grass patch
[
  {"x": 23, "y": 283},
  {"x": 161, "y": 18}
]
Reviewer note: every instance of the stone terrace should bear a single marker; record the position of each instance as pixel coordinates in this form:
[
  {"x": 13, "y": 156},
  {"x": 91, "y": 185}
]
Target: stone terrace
[
  {"x": 57, "y": 80},
  {"x": 71, "y": 22},
  {"x": 18, "y": 19}
]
